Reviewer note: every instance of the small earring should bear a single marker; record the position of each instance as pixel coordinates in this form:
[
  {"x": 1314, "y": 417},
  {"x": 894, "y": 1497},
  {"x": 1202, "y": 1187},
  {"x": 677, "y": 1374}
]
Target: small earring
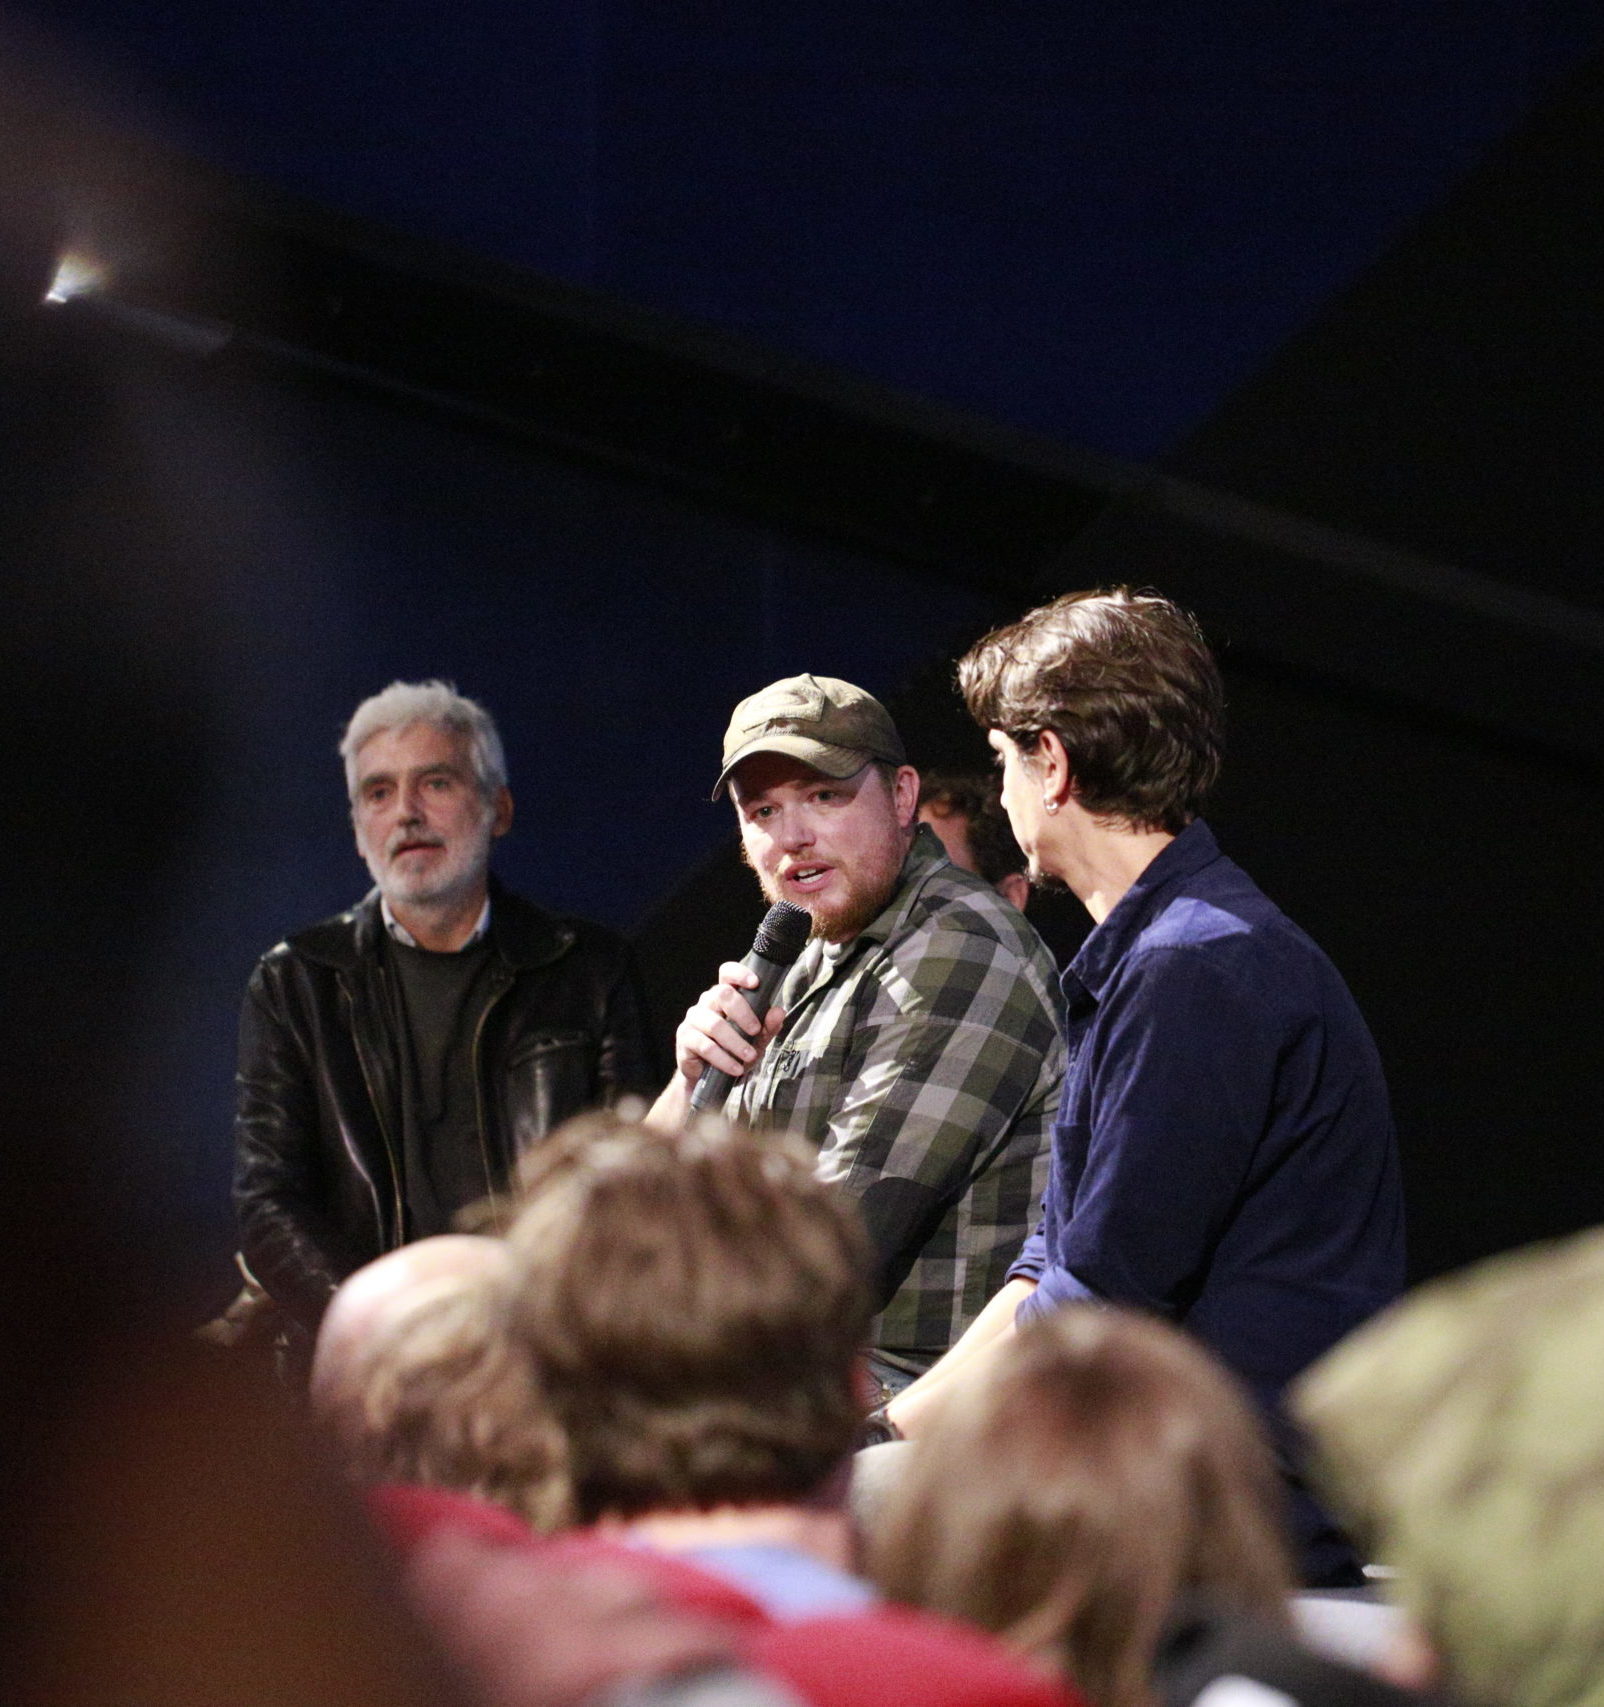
[{"x": 1051, "y": 805}]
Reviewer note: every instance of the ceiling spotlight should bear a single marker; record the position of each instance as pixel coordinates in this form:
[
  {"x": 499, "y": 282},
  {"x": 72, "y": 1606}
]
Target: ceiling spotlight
[{"x": 76, "y": 275}]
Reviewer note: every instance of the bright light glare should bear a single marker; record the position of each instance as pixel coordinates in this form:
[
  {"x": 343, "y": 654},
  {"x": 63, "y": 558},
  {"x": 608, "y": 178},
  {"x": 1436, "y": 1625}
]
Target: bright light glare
[{"x": 76, "y": 275}]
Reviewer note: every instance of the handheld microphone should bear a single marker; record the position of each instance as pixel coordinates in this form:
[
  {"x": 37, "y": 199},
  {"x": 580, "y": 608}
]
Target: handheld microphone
[{"x": 780, "y": 939}]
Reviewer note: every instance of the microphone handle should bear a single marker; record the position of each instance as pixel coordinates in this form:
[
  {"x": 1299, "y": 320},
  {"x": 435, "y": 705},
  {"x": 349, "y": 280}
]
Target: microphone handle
[{"x": 715, "y": 1084}]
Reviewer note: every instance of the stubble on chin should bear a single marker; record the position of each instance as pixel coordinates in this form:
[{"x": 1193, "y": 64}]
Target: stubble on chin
[
  {"x": 840, "y": 924},
  {"x": 836, "y": 923}
]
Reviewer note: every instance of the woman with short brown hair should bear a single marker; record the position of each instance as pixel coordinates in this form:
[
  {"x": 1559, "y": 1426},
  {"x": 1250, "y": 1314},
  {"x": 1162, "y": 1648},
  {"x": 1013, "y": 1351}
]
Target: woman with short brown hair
[{"x": 1106, "y": 1475}]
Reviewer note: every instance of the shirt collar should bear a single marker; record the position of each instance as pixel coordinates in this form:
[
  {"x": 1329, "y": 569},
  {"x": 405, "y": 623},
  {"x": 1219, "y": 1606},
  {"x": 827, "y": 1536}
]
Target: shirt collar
[
  {"x": 402, "y": 935},
  {"x": 1194, "y": 848}
]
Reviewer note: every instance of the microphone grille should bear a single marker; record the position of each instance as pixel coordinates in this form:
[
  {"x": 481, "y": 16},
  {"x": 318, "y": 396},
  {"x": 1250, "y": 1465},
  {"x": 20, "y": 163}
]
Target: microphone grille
[{"x": 783, "y": 934}]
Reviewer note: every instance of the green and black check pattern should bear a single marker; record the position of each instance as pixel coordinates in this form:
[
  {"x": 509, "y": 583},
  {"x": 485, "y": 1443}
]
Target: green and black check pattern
[{"x": 924, "y": 1059}]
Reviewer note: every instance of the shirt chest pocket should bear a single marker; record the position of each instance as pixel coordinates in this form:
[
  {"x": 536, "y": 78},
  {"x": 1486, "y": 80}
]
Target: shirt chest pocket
[{"x": 786, "y": 1063}]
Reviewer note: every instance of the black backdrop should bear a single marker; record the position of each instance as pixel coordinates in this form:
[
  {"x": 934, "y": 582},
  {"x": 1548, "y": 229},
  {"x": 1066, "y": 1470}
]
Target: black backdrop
[{"x": 209, "y": 563}]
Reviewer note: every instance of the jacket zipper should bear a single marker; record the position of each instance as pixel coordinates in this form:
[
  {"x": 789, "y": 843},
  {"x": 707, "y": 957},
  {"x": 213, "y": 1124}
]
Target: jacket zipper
[
  {"x": 479, "y": 1089},
  {"x": 378, "y": 1115}
]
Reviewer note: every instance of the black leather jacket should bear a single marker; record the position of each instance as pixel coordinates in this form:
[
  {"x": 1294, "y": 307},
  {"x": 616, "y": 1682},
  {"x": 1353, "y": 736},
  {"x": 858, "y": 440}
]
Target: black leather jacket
[{"x": 317, "y": 1131}]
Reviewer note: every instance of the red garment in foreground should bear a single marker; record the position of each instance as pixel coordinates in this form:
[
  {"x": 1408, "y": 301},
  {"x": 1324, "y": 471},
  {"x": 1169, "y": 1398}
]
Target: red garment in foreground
[
  {"x": 891, "y": 1656},
  {"x": 887, "y": 1656}
]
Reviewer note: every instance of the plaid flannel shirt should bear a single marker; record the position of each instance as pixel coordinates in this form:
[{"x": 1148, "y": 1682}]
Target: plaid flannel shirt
[{"x": 924, "y": 1059}]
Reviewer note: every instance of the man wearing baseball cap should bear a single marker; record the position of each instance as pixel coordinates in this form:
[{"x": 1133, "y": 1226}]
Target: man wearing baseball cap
[{"x": 914, "y": 1042}]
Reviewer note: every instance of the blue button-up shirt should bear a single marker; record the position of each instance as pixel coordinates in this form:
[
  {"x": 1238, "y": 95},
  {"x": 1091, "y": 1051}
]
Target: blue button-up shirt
[{"x": 1224, "y": 1150}]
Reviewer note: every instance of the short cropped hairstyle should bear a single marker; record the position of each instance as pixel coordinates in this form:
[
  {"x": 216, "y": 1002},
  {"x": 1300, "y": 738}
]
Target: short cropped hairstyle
[
  {"x": 978, "y": 801},
  {"x": 433, "y": 1395},
  {"x": 439, "y": 704},
  {"x": 696, "y": 1304},
  {"x": 1106, "y": 1471},
  {"x": 1127, "y": 682}
]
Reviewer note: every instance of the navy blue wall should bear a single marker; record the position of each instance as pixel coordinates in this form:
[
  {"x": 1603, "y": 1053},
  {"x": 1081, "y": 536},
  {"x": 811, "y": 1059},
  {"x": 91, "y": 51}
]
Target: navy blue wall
[
  {"x": 340, "y": 543},
  {"x": 1093, "y": 220},
  {"x": 1089, "y": 219}
]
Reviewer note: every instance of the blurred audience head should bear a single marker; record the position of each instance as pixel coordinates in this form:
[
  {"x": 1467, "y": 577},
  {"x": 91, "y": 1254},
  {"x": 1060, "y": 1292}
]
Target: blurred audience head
[
  {"x": 414, "y": 1375},
  {"x": 1107, "y": 1476},
  {"x": 1462, "y": 1435},
  {"x": 966, "y": 813},
  {"x": 697, "y": 1303}
]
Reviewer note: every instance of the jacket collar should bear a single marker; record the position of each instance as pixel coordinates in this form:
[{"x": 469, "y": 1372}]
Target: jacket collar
[
  {"x": 523, "y": 935},
  {"x": 1192, "y": 850}
]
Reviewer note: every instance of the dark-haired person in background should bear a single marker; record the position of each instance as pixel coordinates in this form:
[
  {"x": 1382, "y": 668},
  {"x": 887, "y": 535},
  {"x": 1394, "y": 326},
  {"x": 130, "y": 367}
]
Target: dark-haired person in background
[
  {"x": 1224, "y": 1150},
  {"x": 967, "y": 816}
]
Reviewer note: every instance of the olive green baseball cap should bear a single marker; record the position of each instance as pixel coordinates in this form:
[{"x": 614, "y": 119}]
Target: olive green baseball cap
[{"x": 825, "y": 722}]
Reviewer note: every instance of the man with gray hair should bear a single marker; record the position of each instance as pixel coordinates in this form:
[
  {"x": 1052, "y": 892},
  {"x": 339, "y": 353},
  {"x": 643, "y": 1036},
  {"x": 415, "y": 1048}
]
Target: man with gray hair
[{"x": 397, "y": 1059}]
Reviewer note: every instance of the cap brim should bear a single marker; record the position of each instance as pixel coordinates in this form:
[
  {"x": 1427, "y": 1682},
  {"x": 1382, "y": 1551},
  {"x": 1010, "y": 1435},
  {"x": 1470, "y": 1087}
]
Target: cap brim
[{"x": 832, "y": 761}]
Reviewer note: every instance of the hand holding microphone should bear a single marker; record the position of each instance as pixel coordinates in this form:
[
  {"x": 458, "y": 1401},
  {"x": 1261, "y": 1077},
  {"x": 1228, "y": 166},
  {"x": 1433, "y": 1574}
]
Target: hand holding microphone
[{"x": 780, "y": 939}]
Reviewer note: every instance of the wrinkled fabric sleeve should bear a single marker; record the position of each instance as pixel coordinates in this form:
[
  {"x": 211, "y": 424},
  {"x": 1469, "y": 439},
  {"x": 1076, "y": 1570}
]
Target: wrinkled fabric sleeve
[
  {"x": 1054, "y": 1284},
  {"x": 1033, "y": 1258}
]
